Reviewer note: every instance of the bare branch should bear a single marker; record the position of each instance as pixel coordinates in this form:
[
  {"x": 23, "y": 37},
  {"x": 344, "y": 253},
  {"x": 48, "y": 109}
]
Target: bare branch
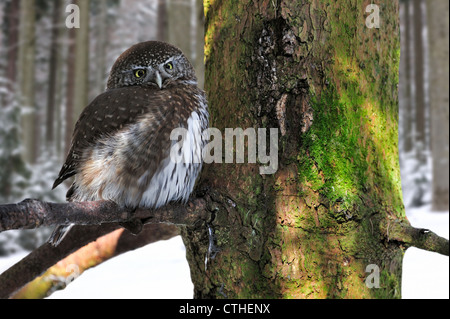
[
  {"x": 47, "y": 255},
  {"x": 31, "y": 214},
  {"x": 93, "y": 220},
  {"x": 104, "y": 248},
  {"x": 401, "y": 231}
]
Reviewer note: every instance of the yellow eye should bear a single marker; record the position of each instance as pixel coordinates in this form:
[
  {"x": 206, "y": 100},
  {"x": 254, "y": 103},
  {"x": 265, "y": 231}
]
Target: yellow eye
[
  {"x": 169, "y": 66},
  {"x": 139, "y": 73}
]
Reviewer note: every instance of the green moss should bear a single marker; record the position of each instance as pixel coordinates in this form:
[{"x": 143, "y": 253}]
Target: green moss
[
  {"x": 331, "y": 144},
  {"x": 352, "y": 134}
]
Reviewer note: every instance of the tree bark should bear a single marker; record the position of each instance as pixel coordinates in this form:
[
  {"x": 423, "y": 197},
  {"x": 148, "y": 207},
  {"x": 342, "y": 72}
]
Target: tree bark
[
  {"x": 314, "y": 70},
  {"x": 438, "y": 26}
]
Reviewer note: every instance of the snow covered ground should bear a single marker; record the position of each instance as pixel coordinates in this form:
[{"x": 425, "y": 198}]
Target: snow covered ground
[
  {"x": 426, "y": 274},
  {"x": 160, "y": 271},
  {"x": 157, "y": 271}
]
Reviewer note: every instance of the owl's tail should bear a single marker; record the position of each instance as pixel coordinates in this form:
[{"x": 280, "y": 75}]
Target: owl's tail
[{"x": 59, "y": 234}]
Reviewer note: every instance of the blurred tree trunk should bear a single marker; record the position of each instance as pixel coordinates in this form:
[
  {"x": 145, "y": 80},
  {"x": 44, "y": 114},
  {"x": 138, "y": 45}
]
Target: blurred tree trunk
[
  {"x": 406, "y": 107},
  {"x": 13, "y": 43},
  {"x": 11, "y": 161},
  {"x": 70, "y": 91},
  {"x": 53, "y": 73},
  {"x": 184, "y": 19},
  {"x": 162, "y": 21},
  {"x": 200, "y": 42},
  {"x": 2, "y": 51},
  {"x": 314, "y": 70},
  {"x": 438, "y": 32},
  {"x": 419, "y": 76},
  {"x": 78, "y": 70},
  {"x": 26, "y": 72},
  {"x": 179, "y": 25},
  {"x": 60, "y": 90},
  {"x": 101, "y": 46},
  {"x": 2, "y": 13},
  {"x": 81, "y": 60}
]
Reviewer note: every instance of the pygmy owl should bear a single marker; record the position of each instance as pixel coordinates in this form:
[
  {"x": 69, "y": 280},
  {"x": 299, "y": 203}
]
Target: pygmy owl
[{"x": 122, "y": 145}]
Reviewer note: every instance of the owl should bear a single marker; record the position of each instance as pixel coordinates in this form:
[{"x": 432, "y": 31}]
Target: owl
[{"x": 123, "y": 146}]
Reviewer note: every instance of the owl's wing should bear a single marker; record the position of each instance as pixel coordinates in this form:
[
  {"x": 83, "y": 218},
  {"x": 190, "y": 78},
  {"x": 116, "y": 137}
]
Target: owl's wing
[{"x": 112, "y": 112}]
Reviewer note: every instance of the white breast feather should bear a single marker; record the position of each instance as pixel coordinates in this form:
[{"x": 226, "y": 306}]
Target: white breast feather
[{"x": 178, "y": 175}]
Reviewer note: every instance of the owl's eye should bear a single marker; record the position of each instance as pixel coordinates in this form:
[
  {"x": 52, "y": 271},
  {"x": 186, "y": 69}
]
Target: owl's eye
[
  {"x": 139, "y": 73},
  {"x": 169, "y": 66}
]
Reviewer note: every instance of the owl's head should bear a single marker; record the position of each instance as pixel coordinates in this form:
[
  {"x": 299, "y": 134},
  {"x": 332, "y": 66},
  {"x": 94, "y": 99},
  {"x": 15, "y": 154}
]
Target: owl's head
[{"x": 151, "y": 63}]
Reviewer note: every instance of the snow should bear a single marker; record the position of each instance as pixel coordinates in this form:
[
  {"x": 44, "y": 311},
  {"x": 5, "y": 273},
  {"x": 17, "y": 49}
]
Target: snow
[
  {"x": 160, "y": 270},
  {"x": 426, "y": 274},
  {"x": 157, "y": 271},
  {"x": 6, "y": 262}
]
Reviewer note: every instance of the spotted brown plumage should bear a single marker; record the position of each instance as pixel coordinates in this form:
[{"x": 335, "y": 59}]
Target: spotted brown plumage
[{"x": 122, "y": 143}]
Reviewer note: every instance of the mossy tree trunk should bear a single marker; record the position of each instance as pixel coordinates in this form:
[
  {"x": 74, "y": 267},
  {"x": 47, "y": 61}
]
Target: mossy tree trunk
[{"x": 315, "y": 70}]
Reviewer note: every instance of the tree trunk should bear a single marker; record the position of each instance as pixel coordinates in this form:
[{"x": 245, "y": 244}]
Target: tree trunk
[
  {"x": 26, "y": 69},
  {"x": 183, "y": 20},
  {"x": 101, "y": 46},
  {"x": 200, "y": 43},
  {"x": 328, "y": 82},
  {"x": 82, "y": 60},
  {"x": 70, "y": 91},
  {"x": 406, "y": 107},
  {"x": 13, "y": 40},
  {"x": 419, "y": 75},
  {"x": 179, "y": 25},
  {"x": 162, "y": 21},
  {"x": 438, "y": 15},
  {"x": 2, "y": 10},
  {"x": 53, "y": 75},
  {"x": 60, "y": 90},
  {"x": 78, "y": 71}
]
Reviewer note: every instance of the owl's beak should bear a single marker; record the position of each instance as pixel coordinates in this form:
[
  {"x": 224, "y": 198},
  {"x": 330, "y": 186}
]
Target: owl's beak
[{"x": 158, "y": 79}]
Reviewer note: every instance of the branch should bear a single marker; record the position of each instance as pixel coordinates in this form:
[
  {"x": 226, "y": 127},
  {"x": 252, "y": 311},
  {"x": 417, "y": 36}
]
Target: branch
[
  {"x": 104, "y": 248},
  {"x": 31, "y": 214},
  {"x": 403, "y": 232},
  {"x": 39, "y": 260},
  {"x": 93, "y": 220}
]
